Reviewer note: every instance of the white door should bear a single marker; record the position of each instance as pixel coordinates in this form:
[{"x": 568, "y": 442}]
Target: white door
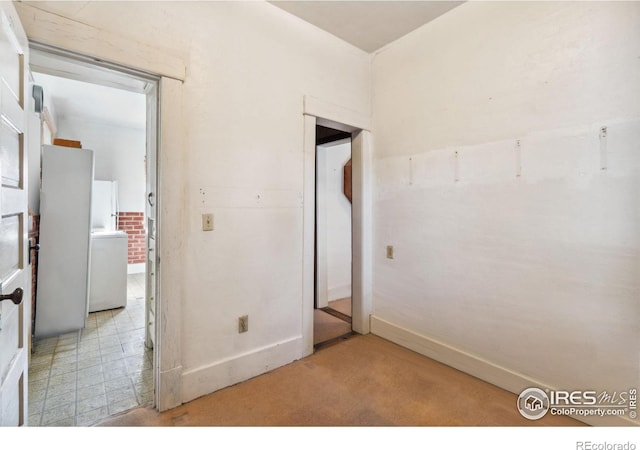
[
  {"x": 14, "y": 306},
  {"x": 151, "y": 269}
]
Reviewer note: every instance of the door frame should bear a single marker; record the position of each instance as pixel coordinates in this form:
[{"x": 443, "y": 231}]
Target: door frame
[
  {"x": 87, "y": 70},
  {"x": 318, "y": 112},
  {"x": 103, "y": 46}
]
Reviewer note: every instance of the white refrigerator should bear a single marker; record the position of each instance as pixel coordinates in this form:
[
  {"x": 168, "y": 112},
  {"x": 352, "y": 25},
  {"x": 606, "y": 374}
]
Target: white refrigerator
[{"x": 65, "y": 231}]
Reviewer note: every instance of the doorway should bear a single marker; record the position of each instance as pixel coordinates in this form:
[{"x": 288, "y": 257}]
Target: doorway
[
  {"x": 333, "y": 229},
  {"x": 317, "y": 112},
  {"x": 106, "y": 367}
]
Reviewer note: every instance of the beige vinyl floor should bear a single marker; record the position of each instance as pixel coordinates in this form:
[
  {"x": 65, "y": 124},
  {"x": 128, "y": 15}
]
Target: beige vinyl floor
[{"x": 360, "y": 381}]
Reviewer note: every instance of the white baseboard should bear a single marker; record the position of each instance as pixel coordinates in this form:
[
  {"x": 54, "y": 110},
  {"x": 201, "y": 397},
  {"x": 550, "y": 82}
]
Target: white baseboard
[
  {"x": 136, "y": 268},
  {"x": 336, "y": 293},
  {"x": 474, "y": 365},
  {"x": 227, "y": 372},
  {"x": 168, "y": 395}
]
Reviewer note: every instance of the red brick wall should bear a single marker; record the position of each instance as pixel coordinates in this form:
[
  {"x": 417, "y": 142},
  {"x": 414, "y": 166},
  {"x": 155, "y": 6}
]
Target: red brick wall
[{"x": 133, "y": 224}]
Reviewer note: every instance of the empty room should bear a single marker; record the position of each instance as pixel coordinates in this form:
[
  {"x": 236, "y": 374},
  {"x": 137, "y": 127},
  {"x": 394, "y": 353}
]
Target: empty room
[{"x": 491, "y": 182}]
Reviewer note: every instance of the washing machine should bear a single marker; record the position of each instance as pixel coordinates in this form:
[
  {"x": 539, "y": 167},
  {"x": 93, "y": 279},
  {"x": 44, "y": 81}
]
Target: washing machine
[{"x": 108, "y": 270}]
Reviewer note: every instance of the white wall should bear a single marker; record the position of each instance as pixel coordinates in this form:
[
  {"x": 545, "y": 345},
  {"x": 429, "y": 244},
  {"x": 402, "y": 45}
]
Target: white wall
[
  {"x": 249, "y": 66},
  {"x": 511, "y": 244},
  {"x": 333, "y": 224},
  {"x": 34, "y": 125},
  {"x": 338, "y": 221},
  {"x": 38, "y": 134},
  {"x": 246, "y": 166},
  {"x": 119, "y": 155}
]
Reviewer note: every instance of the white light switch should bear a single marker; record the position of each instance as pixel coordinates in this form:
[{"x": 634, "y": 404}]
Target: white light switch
[{"x": 207, "y": 222}]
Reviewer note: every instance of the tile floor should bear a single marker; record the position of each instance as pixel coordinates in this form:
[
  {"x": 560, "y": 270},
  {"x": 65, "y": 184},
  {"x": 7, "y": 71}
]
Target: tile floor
[{"x": 82, "y": 377}]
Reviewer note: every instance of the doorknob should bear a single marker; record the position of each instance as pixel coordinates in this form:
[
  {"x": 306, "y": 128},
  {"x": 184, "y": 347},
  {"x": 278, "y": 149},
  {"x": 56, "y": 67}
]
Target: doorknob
[
  {"x": 15, "y": 296},
  {"x": 149, "y": 197}
]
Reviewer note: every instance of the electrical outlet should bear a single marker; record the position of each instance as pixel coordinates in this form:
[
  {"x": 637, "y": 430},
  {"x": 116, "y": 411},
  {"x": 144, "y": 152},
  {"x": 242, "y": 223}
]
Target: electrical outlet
[
  {"x": 207, "y": 222},
  {"x": 389, "y": 251},
  {"x": 243, "y": 324}
]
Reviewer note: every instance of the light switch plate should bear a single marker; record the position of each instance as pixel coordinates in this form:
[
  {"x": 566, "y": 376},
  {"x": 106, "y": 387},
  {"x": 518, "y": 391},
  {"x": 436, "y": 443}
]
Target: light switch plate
[{"x": 207, "y": 222}]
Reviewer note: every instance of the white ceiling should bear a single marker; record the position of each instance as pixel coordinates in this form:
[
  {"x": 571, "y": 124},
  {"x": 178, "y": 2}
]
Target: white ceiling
[
  {"x": 71, "y": 99},
  {"x": 369, "y": 25}
]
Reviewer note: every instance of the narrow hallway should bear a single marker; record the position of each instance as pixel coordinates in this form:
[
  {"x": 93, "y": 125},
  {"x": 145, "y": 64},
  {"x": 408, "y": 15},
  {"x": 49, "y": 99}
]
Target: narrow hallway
[
  {"x": 79, "y": 378},
  {"x": 333, "y": 323}
]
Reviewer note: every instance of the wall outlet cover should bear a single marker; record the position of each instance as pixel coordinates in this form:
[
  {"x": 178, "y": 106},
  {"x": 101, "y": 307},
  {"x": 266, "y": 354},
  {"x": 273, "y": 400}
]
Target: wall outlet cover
[{"x": 243, "y": 324}]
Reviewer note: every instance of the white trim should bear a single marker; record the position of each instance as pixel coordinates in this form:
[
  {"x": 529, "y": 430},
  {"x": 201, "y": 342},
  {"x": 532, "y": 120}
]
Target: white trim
[
  {"x": 361, "y": 157},
  {"x": 335, "y": 113},
  {"x": 473, "y": 365},
  {"x": 220, "y": 374},
  {"x": 169, "y": 385},
  {"x": 361, "y": 234},
  {"x": 170, "y": 214},
  {"x": 170, "y": 228},
  {"x": 47, "y": 28},
  {"x": 308, "y": 243}
]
